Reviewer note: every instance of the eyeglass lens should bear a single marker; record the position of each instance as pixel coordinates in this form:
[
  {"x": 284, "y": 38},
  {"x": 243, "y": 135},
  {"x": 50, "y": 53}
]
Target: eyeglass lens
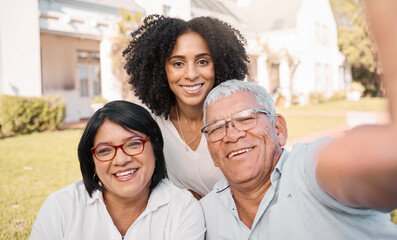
[
  {"x": 242, "y": 121},
  {"x": 132, "y": 147}
]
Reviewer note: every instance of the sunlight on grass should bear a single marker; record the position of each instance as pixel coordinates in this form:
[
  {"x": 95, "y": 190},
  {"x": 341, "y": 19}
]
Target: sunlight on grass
[
  {"x": 302, "y": 120},
  {"x": 365, "y": 104},
  {"x": 300, "y": 125},
  {"x": 33, "y": 167}
]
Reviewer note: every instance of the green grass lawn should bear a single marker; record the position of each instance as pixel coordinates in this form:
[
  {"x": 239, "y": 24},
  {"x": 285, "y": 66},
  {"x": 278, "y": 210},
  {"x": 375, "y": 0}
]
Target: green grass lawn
[
  {"x": 36, "y": 165},
  {"x": 302, "y": 120},
  {"x": 32, "y": 167}
]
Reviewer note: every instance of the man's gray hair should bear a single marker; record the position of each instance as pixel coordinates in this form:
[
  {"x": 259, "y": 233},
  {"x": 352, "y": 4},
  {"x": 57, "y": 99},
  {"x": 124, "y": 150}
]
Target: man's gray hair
[{"x": 229, "y": 87}]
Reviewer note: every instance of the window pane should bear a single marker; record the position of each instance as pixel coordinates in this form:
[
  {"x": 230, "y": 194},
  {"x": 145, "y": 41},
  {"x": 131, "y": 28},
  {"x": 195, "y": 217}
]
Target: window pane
[
  {"x": 95, "y": 56},
  {"x": 96, "y": 79},
  {"x": 82, "y": 55},
  {"x": 83, "y": 78}
]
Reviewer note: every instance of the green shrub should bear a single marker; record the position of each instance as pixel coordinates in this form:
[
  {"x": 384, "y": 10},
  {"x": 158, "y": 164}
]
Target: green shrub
[
  {"x": 357, "y": 87},
  {"x": 28, "y": 114},
  {"x": 99, "y": 99},
  {"x": 393, "y": 217},
  {"x": 317, "y": 97},
  {"x": 338, "y": 95}
]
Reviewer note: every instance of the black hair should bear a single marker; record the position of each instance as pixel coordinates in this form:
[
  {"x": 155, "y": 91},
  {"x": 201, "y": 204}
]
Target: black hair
[
  {"x": 129, "y": 116},
  {"x": 152, "y": 43}
]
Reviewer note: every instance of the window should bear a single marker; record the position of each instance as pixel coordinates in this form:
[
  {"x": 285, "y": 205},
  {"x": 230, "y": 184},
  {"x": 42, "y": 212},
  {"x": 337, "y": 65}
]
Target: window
[
  {"x": 321, "y": 34},
  {"x": 89, "y": 77},
  {"x": 96, "y": 79},
  {"x": 83, "y": 79}
]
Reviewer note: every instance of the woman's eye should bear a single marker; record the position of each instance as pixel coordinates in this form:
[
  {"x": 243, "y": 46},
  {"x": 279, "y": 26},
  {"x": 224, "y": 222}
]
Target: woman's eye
[
  {"x": 202, "y": 62},
  {"x": 177, "y": 64},
  {"x": 133, "y": 144},
  {"x": 104, "y": 151}
]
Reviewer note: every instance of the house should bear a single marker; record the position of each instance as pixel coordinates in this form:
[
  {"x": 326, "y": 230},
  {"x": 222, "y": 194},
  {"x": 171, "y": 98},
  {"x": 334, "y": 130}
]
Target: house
[
  {"x": 292, "y": 45},
  {"x": 62, "y": 47}
]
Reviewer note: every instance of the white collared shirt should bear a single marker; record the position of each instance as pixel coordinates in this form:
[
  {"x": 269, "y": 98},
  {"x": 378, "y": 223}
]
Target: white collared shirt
[
  {"x": 70, "y": 213},
  {"x": 294, "y": 207}
]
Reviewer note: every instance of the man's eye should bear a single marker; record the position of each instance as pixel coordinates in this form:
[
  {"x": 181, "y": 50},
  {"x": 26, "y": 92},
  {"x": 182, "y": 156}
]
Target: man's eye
[
  {"x": 244, "y": 119},
  {"x": 215, "y": 129}
]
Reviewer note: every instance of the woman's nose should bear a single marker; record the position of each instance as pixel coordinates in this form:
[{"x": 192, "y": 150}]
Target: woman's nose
[
  {"x": 191, "y": 72},
  {"x": 121, "y": 158}
]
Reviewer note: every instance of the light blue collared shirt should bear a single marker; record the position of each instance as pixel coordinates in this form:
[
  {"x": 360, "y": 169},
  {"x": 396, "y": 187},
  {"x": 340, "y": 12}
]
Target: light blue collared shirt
[{"x": 294, "y": 207}]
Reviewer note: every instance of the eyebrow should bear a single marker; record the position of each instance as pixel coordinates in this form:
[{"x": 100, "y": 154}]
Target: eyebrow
[
  {"x": 124, "y": 140},
  {"x": 183, "y": 57}
]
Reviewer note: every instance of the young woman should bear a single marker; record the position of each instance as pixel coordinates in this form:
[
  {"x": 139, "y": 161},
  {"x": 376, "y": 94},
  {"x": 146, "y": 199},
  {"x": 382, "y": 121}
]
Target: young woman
[
  {"x": 173, "y": 64},
  {"x": 124, "y": 193}
]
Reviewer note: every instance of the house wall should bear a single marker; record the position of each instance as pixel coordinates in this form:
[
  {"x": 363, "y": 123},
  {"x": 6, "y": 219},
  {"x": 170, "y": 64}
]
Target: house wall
[
  {"x": 313, "y": 47},
  {"x": 320, "y": 60},
  {"x": 60, "y": 74},
  {"x": 19, "y": 48},
  {"x": 172, "y": 8}
]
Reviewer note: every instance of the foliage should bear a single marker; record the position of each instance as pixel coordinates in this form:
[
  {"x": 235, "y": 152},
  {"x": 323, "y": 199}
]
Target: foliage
[
  {"x": 99, "y": 99},
  {"x": 393, "y": 216},
  {"x": 356, "y": 42},
  {"x": 338, "y": 95},
  {"x": 128, "y": 22},
  {"x": 28, "y": 114},
  {"x": 357, "y": 87},
  {"x": 317, "y": 97}
]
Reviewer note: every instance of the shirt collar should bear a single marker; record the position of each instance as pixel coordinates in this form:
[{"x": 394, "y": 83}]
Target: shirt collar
[
  {"x": 279, "y": 166},
  {"x": 158, "y": 197},
  {"x": 96, "y": 196}
]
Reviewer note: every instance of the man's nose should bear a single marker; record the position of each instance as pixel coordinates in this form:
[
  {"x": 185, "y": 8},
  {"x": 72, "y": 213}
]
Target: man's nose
[{"x": 232, "y": 133}]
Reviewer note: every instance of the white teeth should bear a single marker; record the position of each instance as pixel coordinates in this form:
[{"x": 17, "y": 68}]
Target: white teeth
[
  {"x": 192, "y": 88},
  {"x": 238, "y": 152},
  {"x": 122, "y": 174}
]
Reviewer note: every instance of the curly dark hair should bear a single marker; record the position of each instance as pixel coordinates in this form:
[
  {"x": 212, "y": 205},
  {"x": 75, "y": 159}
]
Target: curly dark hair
[{"x": 152, "y": 43}]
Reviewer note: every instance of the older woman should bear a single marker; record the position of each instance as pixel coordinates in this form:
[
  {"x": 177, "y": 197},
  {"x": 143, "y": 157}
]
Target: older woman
[
  {"x": 173, "y": 64},
  {"x": 124, "y": 193}
]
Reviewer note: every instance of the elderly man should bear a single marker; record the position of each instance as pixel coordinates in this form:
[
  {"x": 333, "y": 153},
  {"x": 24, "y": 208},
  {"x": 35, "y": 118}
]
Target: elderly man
[{"x": 324, "y": 189}]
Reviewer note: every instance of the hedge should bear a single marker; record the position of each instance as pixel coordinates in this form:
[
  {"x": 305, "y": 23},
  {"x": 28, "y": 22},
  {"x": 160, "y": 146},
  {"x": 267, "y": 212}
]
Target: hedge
[{"x": 28, "y": 114}]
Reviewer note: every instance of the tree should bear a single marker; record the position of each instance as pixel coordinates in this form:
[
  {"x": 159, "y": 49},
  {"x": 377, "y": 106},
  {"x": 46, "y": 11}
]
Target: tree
[
  {"x": 128, "y": 22},
  {"x": 356, "y": 42}
]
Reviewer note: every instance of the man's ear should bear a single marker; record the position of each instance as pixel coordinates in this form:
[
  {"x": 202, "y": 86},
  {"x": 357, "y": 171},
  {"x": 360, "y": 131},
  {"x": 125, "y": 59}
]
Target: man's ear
[{"x": 281, "y": 128}]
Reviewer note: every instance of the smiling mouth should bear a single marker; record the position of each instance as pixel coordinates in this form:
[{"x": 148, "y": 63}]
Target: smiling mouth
[
  {"x": 192, "y": 88},
  {"x": 232, "y": 154},
  {"x": 126, "y": 174}
]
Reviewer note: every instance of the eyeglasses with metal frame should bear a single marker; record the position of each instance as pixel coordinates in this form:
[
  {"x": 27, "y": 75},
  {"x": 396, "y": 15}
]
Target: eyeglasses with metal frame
[
  {"x": 132, "y": 147},
  {"x": 242, "y": 121}
]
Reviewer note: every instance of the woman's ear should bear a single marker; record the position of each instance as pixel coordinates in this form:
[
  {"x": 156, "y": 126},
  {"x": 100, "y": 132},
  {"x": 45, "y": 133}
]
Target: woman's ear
[{"x": 281, "y": 128}]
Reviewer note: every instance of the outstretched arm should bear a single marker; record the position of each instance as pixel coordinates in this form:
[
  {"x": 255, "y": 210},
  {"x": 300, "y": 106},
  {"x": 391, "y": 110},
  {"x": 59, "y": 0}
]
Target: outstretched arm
[{"x": 360, "y": 170}]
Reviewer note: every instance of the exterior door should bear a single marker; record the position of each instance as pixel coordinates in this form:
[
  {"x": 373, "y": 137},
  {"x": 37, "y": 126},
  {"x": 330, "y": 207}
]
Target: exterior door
[{"x": 89, "y": 85}]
